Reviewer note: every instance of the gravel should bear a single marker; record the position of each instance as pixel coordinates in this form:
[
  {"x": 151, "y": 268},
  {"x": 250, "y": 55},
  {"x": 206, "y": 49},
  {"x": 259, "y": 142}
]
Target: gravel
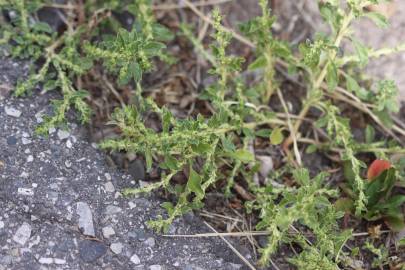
[{"x": 53, "y": 215}]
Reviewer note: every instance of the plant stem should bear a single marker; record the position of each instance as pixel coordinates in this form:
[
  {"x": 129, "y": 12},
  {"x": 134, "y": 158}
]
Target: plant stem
[{"x": 321, "y": 77}]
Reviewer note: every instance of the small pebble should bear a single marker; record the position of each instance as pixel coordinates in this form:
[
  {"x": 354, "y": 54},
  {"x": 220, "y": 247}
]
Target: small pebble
[
  {"x": 109, "y": 187},
  {"x": 45, "y": 260},
  {"x": 150, "y": 242},
  {"x": 30, "y": 158},
  {"x": 38, "y": 117},
  {"x": 266, "y": 165},
  {"x": 11, "y": 140},
  {"x": 25, "y": 191},
  {"x": 112, "y": 209},
  {"x": 68, "y": 163},
  {"x": 12, "y": 112},
  {"x": 1, "y": 224},
  {"x": 90, "y": 251},
  {"x": 85, "y": 221},
  {"x": 135, "y": 259},
  {"x": 25, "y": 141},
  {"x": 132, "y": 205},
  {"x": 22, "y": 234},
  {"x": 108, "y": 231},
  {"x": 63, "y": 134},
  {"x": 116, "y": 248},
  {"x": 155, "y": 267}
]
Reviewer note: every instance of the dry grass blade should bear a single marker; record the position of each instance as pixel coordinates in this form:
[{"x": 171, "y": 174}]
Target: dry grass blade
[
  {"x": 232, "y": 234},
  {"x": 198, "y": 4}
]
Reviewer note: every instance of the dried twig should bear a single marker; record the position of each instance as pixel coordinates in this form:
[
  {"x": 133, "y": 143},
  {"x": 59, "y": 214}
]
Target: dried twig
[{"x": 197, "y": 4}]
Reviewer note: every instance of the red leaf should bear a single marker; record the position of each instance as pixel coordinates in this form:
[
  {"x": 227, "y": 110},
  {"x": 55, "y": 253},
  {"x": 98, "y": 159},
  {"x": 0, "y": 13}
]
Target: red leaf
[{"x": 377, "y": 167}]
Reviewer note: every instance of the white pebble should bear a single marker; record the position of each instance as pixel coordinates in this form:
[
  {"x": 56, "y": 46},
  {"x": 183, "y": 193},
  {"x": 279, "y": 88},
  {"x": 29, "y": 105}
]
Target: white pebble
[
  {"x": 108, "y": 231},
  {"x": 109, "y": 187},
  {"x": 12, "y": 112},
  {"x": 22, "y": 234},
  {"x": 135, "y": 259},
  {"x": 63, "y": 134},
  {"x": 116, "y": 248},
  {"x": 25, "y": 191}
]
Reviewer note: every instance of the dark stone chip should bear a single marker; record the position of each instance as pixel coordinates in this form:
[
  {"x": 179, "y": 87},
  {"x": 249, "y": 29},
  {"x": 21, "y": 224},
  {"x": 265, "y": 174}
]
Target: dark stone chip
[
  {"x": 90, "y": 251},
  {"x": 11, "y": 140}
]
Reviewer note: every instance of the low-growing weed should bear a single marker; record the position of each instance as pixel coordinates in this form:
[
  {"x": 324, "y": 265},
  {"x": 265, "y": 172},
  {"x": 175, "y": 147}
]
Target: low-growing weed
[{"x": 216, "y": 150}]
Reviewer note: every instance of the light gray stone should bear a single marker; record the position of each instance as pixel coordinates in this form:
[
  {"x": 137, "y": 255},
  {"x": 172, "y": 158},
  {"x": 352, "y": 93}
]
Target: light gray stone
[
  {"x": 150, "y": 242},
  {"x": 112, "y": 210},
  {"x": 63, "y": 134},
  {"x": 25, "y": 191},
  {"x": 12, "y": 111},
  {"x": 22, "y": 234},
  {"x": 116, "y": 248},
  {"x": 108, "y": 231},
  {"x": 85, "y": 221},
  {"x": 109, "y": 187},
  {"x": 135, "y": 259}
]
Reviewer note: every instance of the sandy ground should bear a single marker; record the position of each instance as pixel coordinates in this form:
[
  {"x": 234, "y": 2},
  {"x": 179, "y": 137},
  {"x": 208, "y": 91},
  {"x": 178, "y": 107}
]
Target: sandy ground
[{"x": 392, "y": 67}]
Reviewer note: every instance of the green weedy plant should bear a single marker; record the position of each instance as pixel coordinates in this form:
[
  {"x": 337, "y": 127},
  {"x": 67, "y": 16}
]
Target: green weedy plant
[
  {"x": 308, "y": 205},
  {"x": 215, "y": 151},
  {"x": 36, "y": 41},
  {"x": 216, "y": 148},
  {"x": 65, "y": 58},
  {"x": 181, "y": 143}
]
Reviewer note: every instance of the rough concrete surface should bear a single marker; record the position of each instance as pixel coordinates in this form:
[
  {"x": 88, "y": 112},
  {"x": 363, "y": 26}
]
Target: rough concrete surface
[
  {"x": 61, "y": 207},
  {"x": 393, "y": 66},
  {"x": 301, "y": 17}
]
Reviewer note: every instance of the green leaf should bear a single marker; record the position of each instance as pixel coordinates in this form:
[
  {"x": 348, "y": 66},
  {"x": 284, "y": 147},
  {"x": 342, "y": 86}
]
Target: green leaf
[
  {"x": 370, "y": 134},
  {"x": 136, "y": 70},
  {"x": 264, "y": 133},
  {"x": 276, "y": 136},
  {"x": 170, "y": 162},
  {"x": 166, "y": 120},
  {"x": 348, "y": 171},
  {"x": 168, "y": 206},
  {"x": 153, "y": 48},
  {"x": 228, "y": 145},
  {"x": 148, "y": 157},
  {"x": 361, "y": 51},
  {"x": 332, "y": 77},
  {"x": 393, "y": 202},
  {"x": 395, "y": 222},
  {"x": 301, "y": 176},
  {"x": 385, "y": 118},
  {"x": 312, "y": 148},
  {"x": 242, "y": 155},
  {"x": 345, "y": 205},
  {"x": 260, "y": 62},
  {"x": 42, "y": 27},
  {"x": 380, "y": 187},
  {"x": 162, "y": 33},
  {"x": 201, "y": 148},
  {"x": 379, "y": 19},
  {"x": 194, "y": 183}
]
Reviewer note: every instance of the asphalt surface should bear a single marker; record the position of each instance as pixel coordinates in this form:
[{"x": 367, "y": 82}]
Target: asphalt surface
[{"x": 61, "y": 206}]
